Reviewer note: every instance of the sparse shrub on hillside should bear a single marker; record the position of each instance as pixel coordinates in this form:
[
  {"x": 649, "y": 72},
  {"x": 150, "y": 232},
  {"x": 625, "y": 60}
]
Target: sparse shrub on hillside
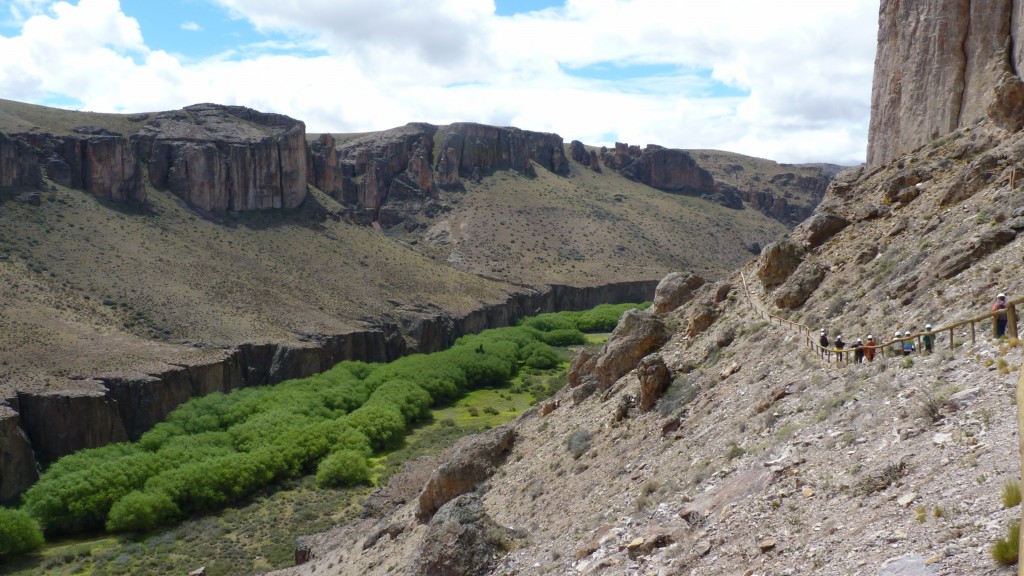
[
  {"x": 19, "y": 533},
  {"x": 679, "y": 393},
  {"x": 578, "y": 443},
  {"x": 906, "y": 362},
  {"x": 881, "y": 480},
  {"x": 1011, "y": 494},
  {"x": 930, "y": 407},
  {"x": 1004, "y": 551}
]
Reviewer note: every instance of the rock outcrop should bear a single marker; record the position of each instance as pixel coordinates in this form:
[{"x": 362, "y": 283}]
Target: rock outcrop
[
  {"x": 675, "y": 290},
  {"x": 637, "y": 335},
  {"x": 943, "y": 72},
  {"x": 461, "y": 540},
  {"x": 777, "y": 261},
  {"x": 17, "y": 463},
  {"x": 469, "y": 150},
  {"x": 666, "y": 169},
  {"x": 654, "y": 379},
  {"x": 580, "y": 154},
  {"x": 473, "y": 460},
  {"x": 226, "y": 158},
  {"x": 800, "y": 285},
  {"x": 19, "y": 164}
]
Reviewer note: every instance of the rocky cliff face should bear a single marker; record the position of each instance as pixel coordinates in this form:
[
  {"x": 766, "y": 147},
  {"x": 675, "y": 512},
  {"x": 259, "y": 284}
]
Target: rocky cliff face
[
  {"x": 939, "y": 67},
  {"x": 226, "y": 158},
  {"x": 668, "y": 169},
  {"x": 395, "y": 174},
  {"x": 19, "y": 164}
]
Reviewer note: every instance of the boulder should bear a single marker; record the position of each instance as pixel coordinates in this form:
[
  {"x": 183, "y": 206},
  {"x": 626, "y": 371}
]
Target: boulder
[
  {"x": 460, "y": 540},
  {"x": 473, "y": 459},
  {"x": 777, "y": 261},
  {"x": 817, "y": 229},
  {"x": 654, "y": 379},
  {"x": 582, "y": 365},
  {"x": 637, "y": 335},
  {"x": 799, "y": 287},
  {"x": 701, "y": 315},
  {"x": 675, "y": 290}
]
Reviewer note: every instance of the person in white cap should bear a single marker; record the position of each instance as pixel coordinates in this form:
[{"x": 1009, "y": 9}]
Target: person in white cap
[
  {"x": 1000, "y": 309},
  {"x": 928, "y": 340},
  {"x": 869, "y": 352},
  {"x": 897, "y": 347},
  {"x": 858, "y": 352},
  {"x": 908, "y": 345},
  {"x": 823, "y": 340}
]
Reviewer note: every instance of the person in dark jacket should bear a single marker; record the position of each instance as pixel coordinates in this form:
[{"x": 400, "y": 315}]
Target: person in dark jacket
[
  {"x": 858, "y": 353},
  {"x": 823, "y": 340},
  {"x": 1000, "y": 309}
]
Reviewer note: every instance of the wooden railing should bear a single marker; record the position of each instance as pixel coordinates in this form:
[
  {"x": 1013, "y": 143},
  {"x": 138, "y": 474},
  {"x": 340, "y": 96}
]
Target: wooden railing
[{"x": 894, "y": 346}]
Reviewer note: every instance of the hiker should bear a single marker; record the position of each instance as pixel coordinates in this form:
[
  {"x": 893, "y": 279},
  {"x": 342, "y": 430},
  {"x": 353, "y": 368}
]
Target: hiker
[
  {"x": 908, "y": 345},
  {"x": 897, "y": 346},
  {"x": 823, "y": 340},
  {"x": 1000, "y": 318},
  {"x": 858, "y": 354},
  {"x": 839, "y": 345},
  {"x": 928, "y": 340},
  {"x": 869, "y": 352}
]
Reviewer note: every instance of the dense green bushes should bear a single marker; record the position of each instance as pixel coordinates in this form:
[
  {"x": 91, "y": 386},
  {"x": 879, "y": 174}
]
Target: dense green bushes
[
  {"x": 215, "y": 450},
  {"x": 19, "y": 533}
]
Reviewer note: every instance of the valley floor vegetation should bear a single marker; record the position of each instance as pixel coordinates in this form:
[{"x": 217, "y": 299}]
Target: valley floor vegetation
[{"x": 220, "y": 449}]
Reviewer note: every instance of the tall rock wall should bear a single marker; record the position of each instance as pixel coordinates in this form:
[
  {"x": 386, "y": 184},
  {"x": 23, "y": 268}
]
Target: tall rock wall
[
  {"x": 937, "y": 67},
  {"x": 19, "y": 164},
  {"x": 226, "y": 158},
  {"x": 394, "y": 174}
]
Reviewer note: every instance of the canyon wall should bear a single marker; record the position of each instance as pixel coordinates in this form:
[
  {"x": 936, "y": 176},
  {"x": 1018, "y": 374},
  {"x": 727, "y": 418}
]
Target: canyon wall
[
  {"x": 37, "y": 428},
  {"x": 942, "y": 65},
  {"x": 19, "y": 164}
]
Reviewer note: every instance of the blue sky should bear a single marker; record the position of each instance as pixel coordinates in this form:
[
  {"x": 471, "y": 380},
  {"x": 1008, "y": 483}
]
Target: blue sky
[{"x": 787, "y": 80}]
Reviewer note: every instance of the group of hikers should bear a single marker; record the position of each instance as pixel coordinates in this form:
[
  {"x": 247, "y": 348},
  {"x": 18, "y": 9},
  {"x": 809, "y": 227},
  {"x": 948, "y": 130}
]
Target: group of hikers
[{"x": 904, "y": 344}]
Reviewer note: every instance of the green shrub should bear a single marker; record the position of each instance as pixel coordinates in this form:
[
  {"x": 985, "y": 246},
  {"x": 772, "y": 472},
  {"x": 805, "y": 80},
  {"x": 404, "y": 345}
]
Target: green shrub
[
  {"x": 141, "y": 511},
  {"x": 381, "y": 423},
  {"x": 543, "y": 358},
  {"x": 551, "y": 321},
  {"x": 1011, "y": 494},
  {"x": 19, "y": 533},
  {"x": 343, "y": 468},
  {"x": 567, "y": 337},
  {"x": 1004, "y": 551}
]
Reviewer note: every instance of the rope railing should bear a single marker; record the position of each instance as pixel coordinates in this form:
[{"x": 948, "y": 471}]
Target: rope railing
[{"x": 895, "y": 346}]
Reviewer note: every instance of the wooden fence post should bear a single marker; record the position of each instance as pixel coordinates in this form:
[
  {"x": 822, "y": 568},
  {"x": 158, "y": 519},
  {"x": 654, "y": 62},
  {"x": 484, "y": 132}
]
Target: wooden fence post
[
  {"x": 1011, "y": 320},
  {"x": 1020, "y": 446},
  {"x": 950, "y": 338},
  {"x": 973, "y": 339}
]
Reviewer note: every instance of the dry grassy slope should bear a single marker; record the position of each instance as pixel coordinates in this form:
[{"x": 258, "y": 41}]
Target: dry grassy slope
[
  {"x": 584, "y": 228},
  {"x": 798, "y": 463},
  {"x": 18, "y": 117}
]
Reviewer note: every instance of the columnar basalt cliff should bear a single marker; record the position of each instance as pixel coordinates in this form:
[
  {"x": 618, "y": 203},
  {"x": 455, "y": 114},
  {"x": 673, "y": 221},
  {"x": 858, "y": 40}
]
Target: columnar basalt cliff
[
  {"x": 940, "y": 66},
  {"x": 19, "y": 164},
  {"x": 396, "y": 173},
  {"x": 37, "y": 428},
  {"x": 668, "y": 169},
  {"x": 226, "y": 158}
]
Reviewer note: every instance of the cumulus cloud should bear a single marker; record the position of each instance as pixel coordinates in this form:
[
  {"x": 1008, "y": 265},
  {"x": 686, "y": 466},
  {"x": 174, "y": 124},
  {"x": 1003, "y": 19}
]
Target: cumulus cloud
[
  {"x": 787, "y": 80},
  {"x": 191, "y": 26}
]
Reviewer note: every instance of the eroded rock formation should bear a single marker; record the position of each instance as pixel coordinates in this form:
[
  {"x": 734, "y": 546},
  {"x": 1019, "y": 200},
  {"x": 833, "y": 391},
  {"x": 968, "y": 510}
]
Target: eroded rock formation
[
  {"x": 939, "y": 66},
  {"x": 473, "y": 460},
  {"x": 93, "y": 159},
  {"x": 666, "y": 169},
  {"x": 19, "y": 164}
]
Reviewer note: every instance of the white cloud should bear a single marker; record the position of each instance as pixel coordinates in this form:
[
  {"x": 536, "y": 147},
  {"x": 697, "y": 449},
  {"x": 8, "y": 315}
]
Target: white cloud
[
  {"x": 191, "y": 26},
  {"x": 802, "y": 67}
]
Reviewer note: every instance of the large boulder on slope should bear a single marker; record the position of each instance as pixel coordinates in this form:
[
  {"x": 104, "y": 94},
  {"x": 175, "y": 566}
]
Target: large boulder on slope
[
  {"x": 473, "y": 460},
  {"x": 675, "y": 290},
  {"x": 637, "y": 335}
]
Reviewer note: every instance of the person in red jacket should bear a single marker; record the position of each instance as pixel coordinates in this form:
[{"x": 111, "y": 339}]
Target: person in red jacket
[{"x": 869, "y": 353}]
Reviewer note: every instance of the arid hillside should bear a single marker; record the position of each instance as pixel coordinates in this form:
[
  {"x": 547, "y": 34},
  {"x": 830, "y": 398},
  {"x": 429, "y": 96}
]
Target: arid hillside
[{"x": 732, "y": 447}]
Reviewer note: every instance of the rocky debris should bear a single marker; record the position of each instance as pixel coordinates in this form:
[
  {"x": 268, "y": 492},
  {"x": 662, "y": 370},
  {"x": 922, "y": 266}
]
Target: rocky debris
[
  {"x": 702, "y": 313},
  {"x": 225, "y": 158},
  {"x": 461, "y": 540},
  {"x": 1006, "y": 106},
  {"x": 654, "y": 379},
  {"x": 981, "y": 172},
  {"x": 674, "y": 290},
  {"x": 942, "y": 74},
  {"x": 962, "y": 255},
  {"x": 201, "y": 571},
  {"x": 909, "y": 565},
  {"x": 19, "y": 164},
  {"x": 473, "y": 460},
  {"x": 778, "y": 261},
  {"x": 800, "y": 285},
  {"x": 817, "y": 229},
  {"x": 637, "y": 335},
  {"x": 903, "y": 185}
]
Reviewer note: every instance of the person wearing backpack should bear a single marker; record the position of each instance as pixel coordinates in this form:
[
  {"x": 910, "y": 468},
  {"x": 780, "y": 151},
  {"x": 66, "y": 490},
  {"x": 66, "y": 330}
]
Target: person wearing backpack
[
  {"x": 858, "y": 352},
  {"x": 869, "y": 352},
  {"x": 908, "y": 345}
]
